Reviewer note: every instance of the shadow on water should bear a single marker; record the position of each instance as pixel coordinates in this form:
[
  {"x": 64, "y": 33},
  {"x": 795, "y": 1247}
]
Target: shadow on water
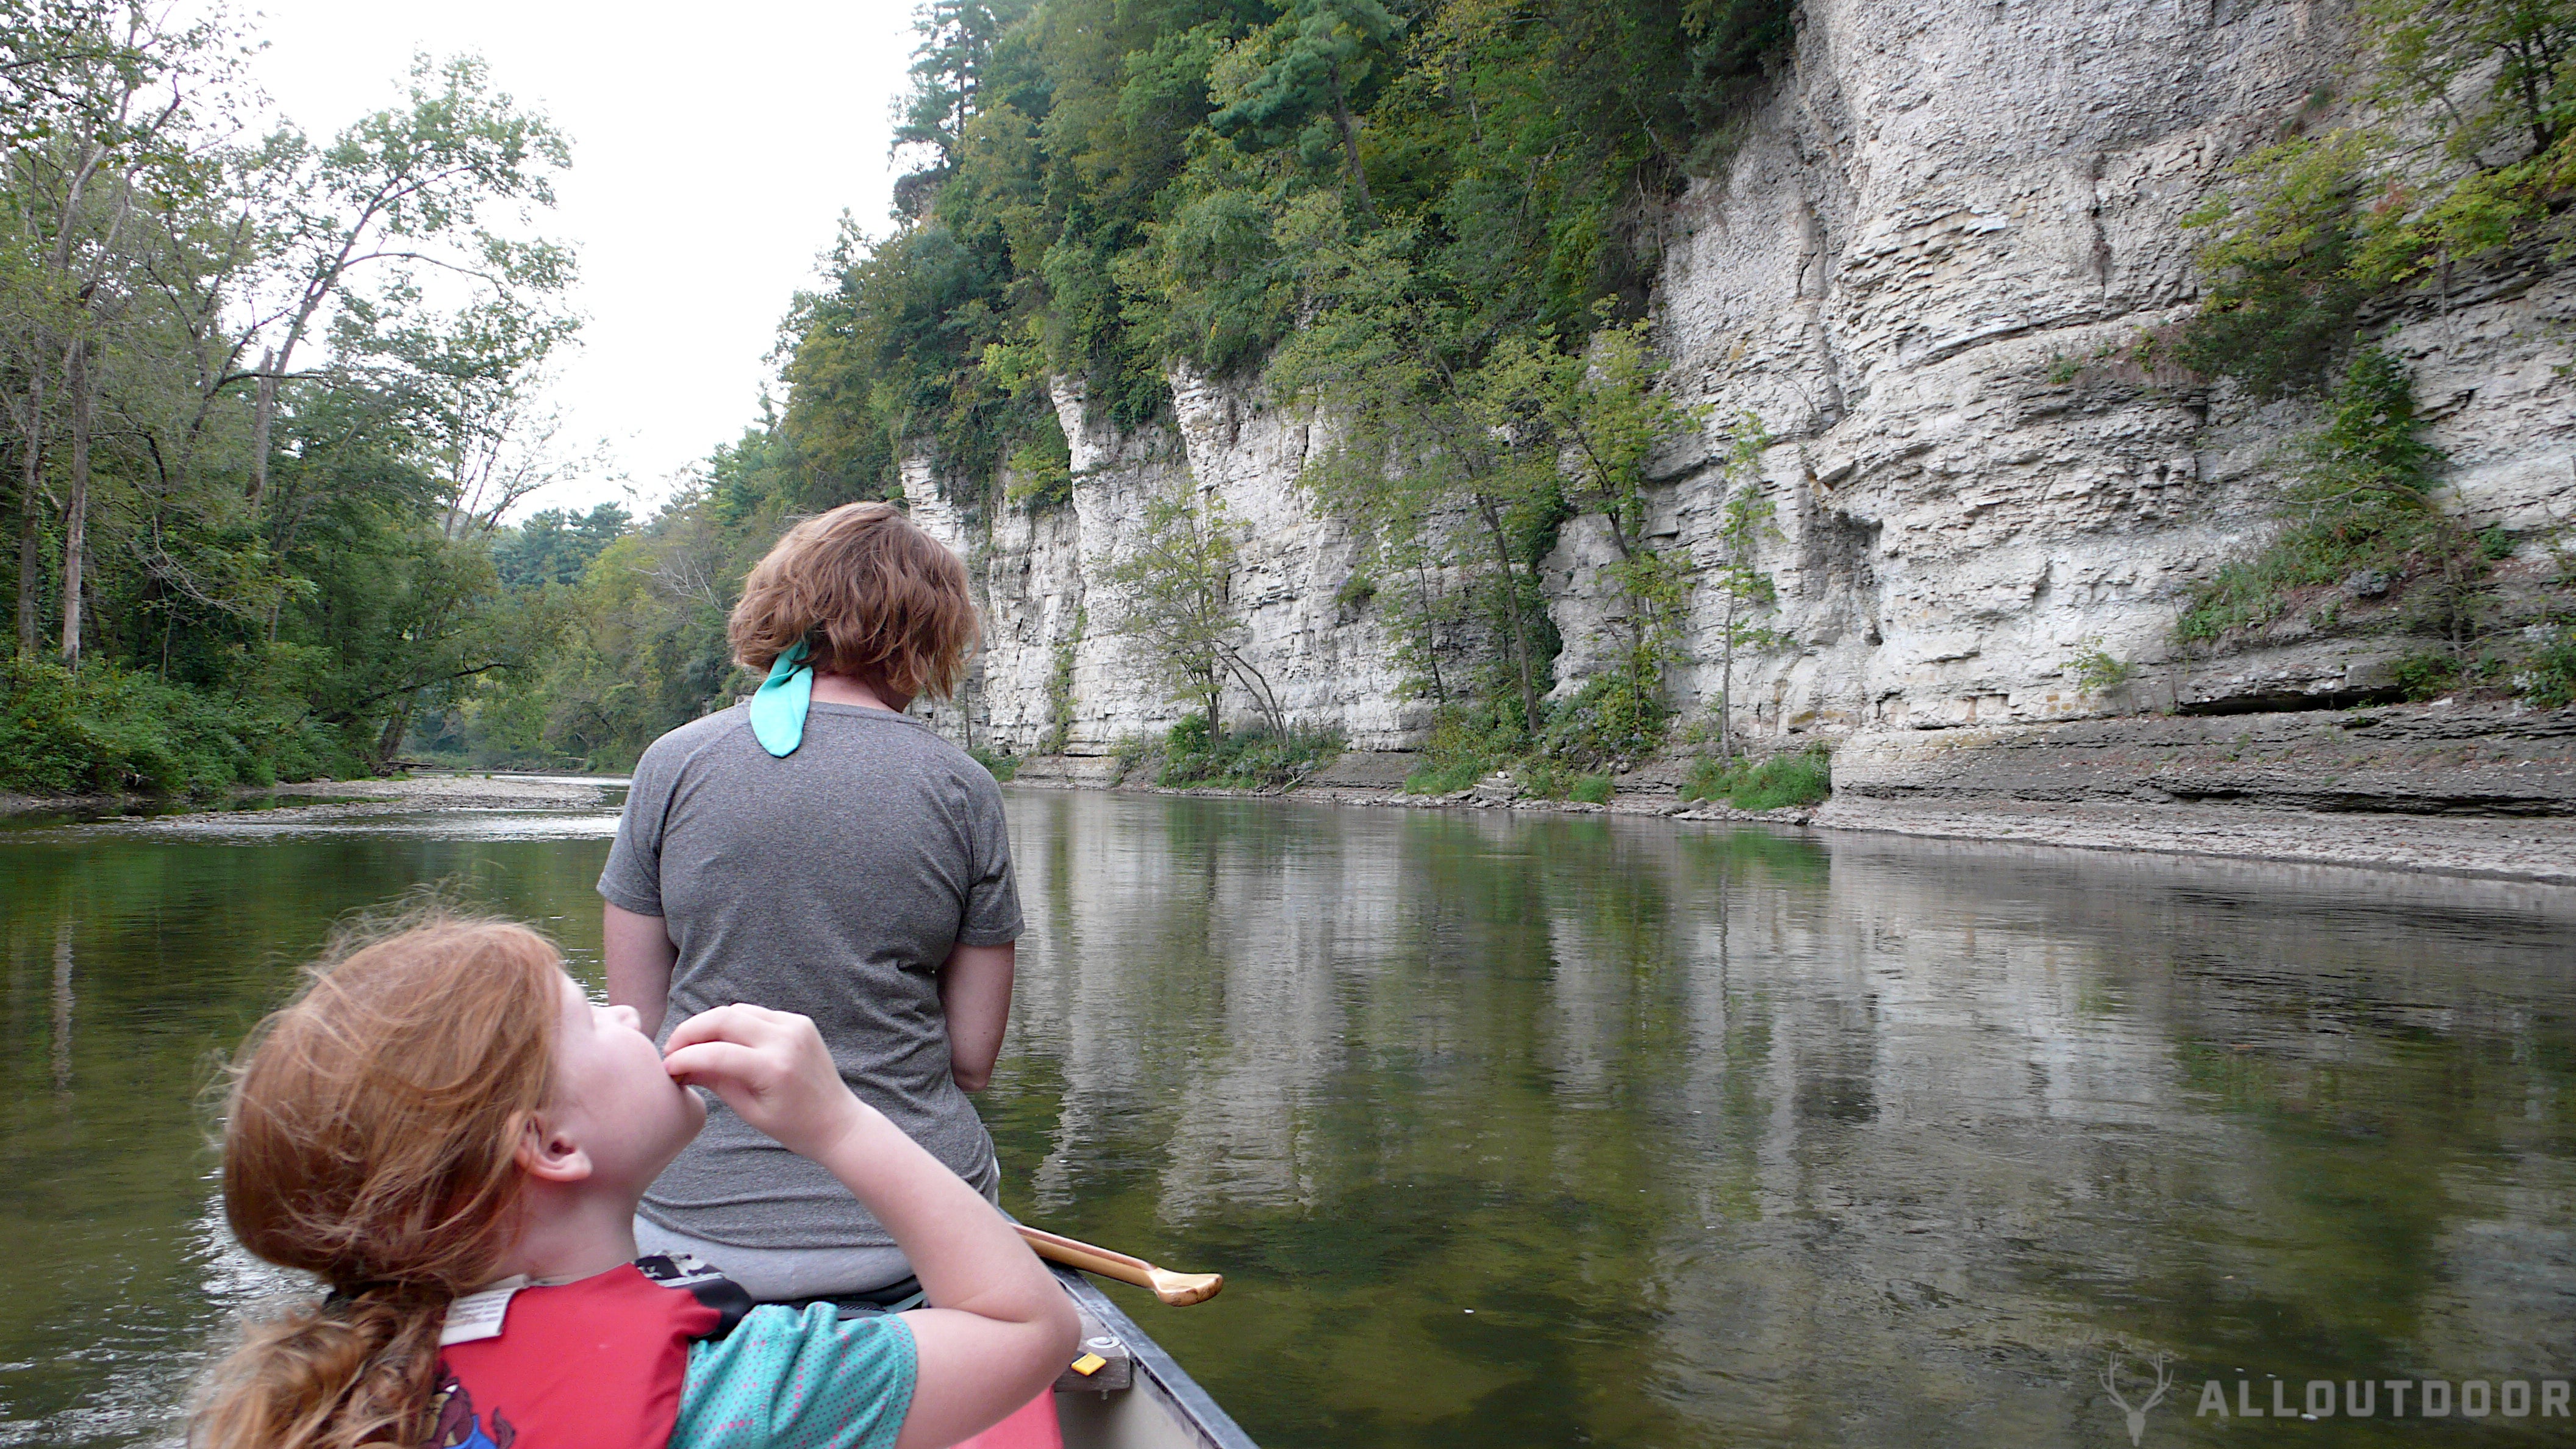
[{"x": 1519, "y": 1130}]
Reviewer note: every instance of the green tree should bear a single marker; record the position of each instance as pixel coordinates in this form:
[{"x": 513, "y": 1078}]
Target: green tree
[
  {"x": 2309, "y": 231},
  {"x": 1612, "y": 417},
  {"x": 555, "y": 545},
  {"x": 1178, "y": 580},
  {"x": 403, "y": 190},
  {"x": 950, "y": 71},
  {"x": 1292, "y": 83},
  {"x": 1745, "y": 523},
  {"x": 2523, "y": 49}
]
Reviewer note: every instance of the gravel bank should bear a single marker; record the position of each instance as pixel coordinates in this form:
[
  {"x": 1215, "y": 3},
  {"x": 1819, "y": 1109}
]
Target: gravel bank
[{"x": 422, "y": 790}]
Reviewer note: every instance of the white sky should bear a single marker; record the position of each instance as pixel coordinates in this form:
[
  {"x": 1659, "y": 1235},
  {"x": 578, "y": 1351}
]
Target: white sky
[{"x": 714, "y": 149}]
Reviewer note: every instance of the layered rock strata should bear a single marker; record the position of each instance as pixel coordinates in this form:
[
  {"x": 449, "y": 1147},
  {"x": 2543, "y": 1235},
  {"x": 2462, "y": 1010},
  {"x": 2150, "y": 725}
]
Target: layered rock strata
[{"x": 1926, "y": 272}]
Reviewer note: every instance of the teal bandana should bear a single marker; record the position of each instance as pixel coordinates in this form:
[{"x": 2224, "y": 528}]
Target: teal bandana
[{"x": 778, "y": 710}]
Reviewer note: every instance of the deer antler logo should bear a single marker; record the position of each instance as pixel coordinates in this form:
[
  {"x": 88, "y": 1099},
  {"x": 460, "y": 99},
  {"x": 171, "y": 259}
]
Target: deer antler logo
[{"x": 2138, "y": 1415}]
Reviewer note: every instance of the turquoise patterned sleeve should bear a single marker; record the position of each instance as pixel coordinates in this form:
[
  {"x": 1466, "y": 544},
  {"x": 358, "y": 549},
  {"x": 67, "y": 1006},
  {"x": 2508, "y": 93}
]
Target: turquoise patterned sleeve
[{"x": 784, "y": 1380}]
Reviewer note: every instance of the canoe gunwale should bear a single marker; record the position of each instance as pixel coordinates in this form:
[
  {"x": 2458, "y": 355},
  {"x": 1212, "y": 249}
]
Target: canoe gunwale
[{"x": 1170, "y": 1382}]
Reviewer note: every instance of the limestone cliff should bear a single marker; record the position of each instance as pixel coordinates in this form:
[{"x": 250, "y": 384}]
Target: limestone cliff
[{"x": 1943, "y": 208}]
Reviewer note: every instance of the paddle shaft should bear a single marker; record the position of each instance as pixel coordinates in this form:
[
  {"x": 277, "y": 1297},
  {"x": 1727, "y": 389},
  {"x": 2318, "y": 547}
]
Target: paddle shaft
[
  {"x": 1177, "y": 1289},
  {"x": 1088, "y": 1258}
]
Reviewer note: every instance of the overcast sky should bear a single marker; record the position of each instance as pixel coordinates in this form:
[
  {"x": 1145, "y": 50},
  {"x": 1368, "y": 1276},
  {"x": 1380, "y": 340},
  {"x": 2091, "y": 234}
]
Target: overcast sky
[{"x": 714, "y": 149}]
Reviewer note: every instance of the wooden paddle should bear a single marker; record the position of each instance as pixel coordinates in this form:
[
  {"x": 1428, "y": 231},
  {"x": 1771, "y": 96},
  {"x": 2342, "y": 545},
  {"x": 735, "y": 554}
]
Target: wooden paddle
[{"x": 1179, "y": 1290}]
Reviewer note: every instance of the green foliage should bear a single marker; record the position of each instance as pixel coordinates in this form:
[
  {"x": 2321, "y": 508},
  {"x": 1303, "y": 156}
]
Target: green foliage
[
  {"x": 1611, "y": 414},
  {"x": 2096, "y": 670},
  {"x": 1710, "y": 778},
  {"x": 2548, "y": 677},
  {"x": 1129, "y": 752},
  {"x": 2523, "y": 48},
  {"x": 2311, "y": 230},
  {"x": 1461, "y": 749},
  {"x": 1106, "y": 187},
  {"x": 106, "y": 729},
  {"x": 1544, "y": 779},
  {"x": 1294, "y": 82},
  {"x": 1435, "y": 778},
  {"x": 2359, "y": 505},
  {"x": 2426, "y": 673},
  {"x": 1591, "y": 789},
  {"x": 2286, "y": 257},
  {"x": 1258, "y": 758},
  {"x": 1041, "y": 469},
  {"x": 1177, "y": 579},
  {"x": 554, "y": 546},
  {"x": 1000, "y": 766},
  {"x": 1420, "y": 216},
  {"x": 1608, "y": 719},
  {"x": 1782, "y": 781},
  {"x": 1744, "y": 525},
  {"x": 256, "y": 556},
  {"x": 1060, "y": 693}
]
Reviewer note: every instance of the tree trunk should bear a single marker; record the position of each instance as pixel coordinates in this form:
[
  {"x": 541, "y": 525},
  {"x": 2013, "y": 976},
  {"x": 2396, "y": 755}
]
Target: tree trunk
[
  {"x": 263, "y": 409},
  {"x": 76, "y": 509},
  {"x": 1351, "y": 145},
  {"x": 1430, "y": 633},
  {"x": 1726, "y": 687},
  {"x": 1512, "y": 610},
  {"x": 30, "y": 494},
  {"x": 1257, "y": 684}
]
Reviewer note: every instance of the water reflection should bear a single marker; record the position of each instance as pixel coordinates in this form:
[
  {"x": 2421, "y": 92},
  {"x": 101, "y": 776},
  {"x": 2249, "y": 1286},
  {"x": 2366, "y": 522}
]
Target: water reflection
[
  {"x": 1723, "y": 1137},
  {"x": 63, "y": 1006},
  {"x": 1735, "y": 1138}
]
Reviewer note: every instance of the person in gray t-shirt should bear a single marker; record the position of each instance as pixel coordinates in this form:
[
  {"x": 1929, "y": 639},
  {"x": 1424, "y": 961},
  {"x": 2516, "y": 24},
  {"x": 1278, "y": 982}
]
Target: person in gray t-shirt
[{"x": 860, "y": 875}]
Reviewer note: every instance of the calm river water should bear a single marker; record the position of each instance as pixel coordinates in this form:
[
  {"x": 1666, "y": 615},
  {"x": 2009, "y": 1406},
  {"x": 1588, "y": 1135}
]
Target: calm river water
[{"x": 1524, "y": 1131}]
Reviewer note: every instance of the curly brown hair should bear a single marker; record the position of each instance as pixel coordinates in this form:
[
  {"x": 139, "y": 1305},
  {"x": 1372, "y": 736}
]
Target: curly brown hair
[{"x": 872, "y": 597}]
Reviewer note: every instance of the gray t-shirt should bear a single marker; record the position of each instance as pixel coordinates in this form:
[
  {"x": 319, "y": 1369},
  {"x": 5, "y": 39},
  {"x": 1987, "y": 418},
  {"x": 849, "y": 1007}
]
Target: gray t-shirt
[{"x": 833, "y": 882}]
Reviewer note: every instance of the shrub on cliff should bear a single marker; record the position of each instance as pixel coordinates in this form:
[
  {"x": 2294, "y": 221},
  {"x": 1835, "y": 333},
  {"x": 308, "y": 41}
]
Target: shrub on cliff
[
  {"x": 1609, "y": 718},
  {"x": 2548, "y": 680},
  {"x": 2310, "y": 232},
  {"x": 2360, "y": 503},
  {"x": 1781, "y": 781},
  {"x": 1257, "y": 758}
]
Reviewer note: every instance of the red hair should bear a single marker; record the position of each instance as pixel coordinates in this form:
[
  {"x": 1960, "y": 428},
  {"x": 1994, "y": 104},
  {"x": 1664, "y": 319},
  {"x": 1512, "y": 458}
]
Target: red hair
[{"x": 371, "y": 1140}]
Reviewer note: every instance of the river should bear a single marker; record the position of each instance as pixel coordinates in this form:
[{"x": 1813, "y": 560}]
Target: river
[{"x": 1519, "y": 1130}]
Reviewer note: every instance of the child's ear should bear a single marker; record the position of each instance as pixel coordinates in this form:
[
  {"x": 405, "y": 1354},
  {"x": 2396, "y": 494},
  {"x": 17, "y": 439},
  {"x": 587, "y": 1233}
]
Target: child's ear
[{"x": 548, "y": 1154}]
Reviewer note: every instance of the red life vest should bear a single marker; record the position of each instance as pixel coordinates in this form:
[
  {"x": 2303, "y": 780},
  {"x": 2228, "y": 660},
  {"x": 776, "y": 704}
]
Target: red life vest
[{"x": 596, "y": 1364}]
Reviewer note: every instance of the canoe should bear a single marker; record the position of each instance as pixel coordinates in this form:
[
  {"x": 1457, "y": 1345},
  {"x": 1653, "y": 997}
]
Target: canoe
[{"x": 1137, "y": 1398}]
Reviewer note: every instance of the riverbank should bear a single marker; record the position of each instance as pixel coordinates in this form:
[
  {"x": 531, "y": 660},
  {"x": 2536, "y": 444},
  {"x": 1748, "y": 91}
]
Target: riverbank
[
  {"x": 420, "y": 789},
  {"x": 2470, "y": 790}
]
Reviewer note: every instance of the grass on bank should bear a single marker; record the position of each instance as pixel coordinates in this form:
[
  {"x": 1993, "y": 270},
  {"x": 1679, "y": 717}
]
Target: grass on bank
[
  {"x": 1253, "y": 757},
  {"x": 1777, "y": 783},
  {"x": 1464, "y": 748}
]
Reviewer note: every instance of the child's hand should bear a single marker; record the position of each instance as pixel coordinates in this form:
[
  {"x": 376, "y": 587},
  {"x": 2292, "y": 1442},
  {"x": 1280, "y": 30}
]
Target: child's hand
[{"x": 771, "y": 1068}]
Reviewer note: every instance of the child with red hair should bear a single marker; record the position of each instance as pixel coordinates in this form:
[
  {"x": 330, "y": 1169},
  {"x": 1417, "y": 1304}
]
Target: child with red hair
[{"x": 452, "y": 1137}]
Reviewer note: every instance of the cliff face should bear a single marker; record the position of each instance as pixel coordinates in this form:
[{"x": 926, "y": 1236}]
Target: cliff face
[{"x": 1921, "y": 271}]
